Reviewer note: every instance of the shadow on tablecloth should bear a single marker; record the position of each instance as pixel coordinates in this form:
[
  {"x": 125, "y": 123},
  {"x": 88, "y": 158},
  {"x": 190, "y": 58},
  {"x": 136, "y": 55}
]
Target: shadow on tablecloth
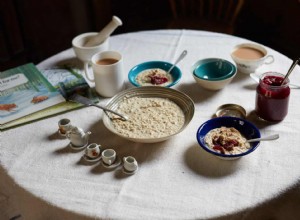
[
  {"x": 17, "y": 203},
  {"x": 285, "y": 206}
]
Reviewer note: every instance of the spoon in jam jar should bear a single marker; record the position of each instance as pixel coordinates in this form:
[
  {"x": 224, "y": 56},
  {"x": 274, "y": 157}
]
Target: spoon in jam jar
[
  {"x": 267, "y": 138},
  {"x": 295, "y": 62}
]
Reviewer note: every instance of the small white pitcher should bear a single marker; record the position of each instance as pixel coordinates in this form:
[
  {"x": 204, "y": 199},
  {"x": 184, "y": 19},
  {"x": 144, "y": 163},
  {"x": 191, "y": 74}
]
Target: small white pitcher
[{"x": 93, "y": 151}]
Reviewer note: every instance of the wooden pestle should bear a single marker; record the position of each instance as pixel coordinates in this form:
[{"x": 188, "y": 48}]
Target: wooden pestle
[{"x": 104, "y": 33}]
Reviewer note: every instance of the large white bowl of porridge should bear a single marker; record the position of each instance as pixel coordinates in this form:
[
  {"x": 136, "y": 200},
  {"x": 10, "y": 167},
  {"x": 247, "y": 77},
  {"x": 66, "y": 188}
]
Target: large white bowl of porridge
[
  {"x": 154, "y": 114},
  {"x": 225, "y": 137}
]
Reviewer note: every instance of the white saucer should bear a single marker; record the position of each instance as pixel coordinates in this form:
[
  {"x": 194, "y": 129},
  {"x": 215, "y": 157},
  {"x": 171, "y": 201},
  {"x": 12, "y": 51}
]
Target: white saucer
[
  {"x": 129, "y": 172},
  {"x": 77, "y": 148},
  {"x": 114, "y": 165},
  {"x": 86, "y": 158}
]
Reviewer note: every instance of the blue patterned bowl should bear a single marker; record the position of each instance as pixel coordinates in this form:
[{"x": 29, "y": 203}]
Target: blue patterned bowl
[{"x": 246, "y": 128}]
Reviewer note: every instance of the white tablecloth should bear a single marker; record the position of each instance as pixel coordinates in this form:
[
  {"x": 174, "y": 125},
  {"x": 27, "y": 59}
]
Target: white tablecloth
[{"x": 42, "y": 178}]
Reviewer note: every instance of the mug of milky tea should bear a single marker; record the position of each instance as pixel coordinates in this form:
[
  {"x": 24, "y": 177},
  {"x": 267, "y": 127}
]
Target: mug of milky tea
[
  {"x": 248, "y": 57},
  {"x": 107, "y": 73}
]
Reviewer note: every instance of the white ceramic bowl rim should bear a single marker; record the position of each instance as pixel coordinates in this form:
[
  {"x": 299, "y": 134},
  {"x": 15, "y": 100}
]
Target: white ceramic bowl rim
[{"x": 77, "y": 41}]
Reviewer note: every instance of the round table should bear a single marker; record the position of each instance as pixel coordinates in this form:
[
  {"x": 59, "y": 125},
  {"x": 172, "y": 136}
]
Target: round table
[{"x": 41, "y": 176}]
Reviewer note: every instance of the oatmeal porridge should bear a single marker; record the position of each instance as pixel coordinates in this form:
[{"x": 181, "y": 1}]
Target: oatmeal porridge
[
  {"x": 149, "y": 117},
  {"x": 226, "y": 141},
  {"x": 152, "y": 77}
]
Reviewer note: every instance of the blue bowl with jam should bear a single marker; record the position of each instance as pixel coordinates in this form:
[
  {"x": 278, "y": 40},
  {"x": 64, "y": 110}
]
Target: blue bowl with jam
[
  {"x": 245, "y": 127},
  {"x": 154, "y": 73}
]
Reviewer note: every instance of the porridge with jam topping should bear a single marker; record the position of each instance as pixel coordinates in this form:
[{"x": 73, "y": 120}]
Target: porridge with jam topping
[
  {"x": 151, "y": 77},
  {"x": 226, "y": 141},
  {"x": 149, "y": 117}
]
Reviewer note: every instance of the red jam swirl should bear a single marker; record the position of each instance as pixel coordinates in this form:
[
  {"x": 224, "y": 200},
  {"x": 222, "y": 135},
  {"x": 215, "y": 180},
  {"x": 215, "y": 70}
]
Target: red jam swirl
[
  {"x": 157, "y": 80},
  {"x": 272, "y": 98},
  {"x": 221, "y": 145}
]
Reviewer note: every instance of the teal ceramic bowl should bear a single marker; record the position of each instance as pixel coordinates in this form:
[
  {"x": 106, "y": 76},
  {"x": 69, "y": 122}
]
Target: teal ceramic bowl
[
  {"x": 213, "y": 73},
  {"x": 136, "y": 70}
]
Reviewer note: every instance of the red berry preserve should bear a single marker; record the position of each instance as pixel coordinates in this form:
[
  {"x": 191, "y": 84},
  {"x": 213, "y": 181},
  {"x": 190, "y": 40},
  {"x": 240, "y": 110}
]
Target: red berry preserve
[{"x": 272, "y": 98}]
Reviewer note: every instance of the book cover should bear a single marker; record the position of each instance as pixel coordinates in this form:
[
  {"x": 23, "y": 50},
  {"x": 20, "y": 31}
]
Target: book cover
[
  {"x": 24, "y": 90},
  {"x": 67, "y": 79}
]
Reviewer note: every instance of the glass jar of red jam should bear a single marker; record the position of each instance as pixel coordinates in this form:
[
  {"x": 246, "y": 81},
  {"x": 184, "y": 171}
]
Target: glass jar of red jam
[{"x": 272, "y": 98}]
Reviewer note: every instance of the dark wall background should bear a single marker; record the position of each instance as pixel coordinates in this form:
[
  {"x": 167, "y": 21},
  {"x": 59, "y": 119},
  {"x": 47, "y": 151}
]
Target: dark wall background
[{"x": 33, "y": 30}]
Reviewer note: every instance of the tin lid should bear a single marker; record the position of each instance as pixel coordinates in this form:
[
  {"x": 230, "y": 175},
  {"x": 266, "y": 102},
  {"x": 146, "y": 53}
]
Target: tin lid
[{"x": 231, "y": 110}]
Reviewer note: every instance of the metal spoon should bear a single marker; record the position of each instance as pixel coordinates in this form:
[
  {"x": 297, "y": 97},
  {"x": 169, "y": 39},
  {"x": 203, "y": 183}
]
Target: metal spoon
[
  {"x": 295, "y": 62},
  {"x": 267, "y": 138},
  {"x": 87, "y": 102},
  {"x": 182, "y": 55},
  {"x": 255, "y": 77}
]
